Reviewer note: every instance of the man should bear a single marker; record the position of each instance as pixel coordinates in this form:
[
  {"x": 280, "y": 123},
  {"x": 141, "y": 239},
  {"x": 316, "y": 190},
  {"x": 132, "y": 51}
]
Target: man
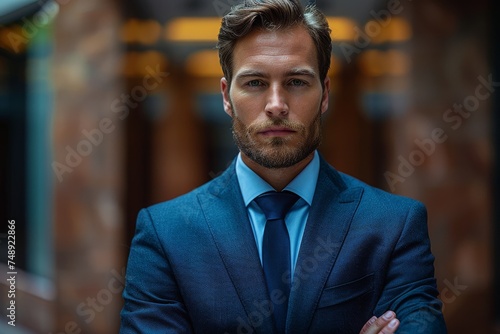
[{"x": 339, "y": 257}]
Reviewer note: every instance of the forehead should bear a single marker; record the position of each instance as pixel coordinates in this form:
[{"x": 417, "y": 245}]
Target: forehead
[{"x": 273, "y": 51}]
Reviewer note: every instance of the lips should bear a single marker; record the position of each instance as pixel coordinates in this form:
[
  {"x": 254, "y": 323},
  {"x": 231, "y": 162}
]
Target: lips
[{"x": 276, "y": 131}]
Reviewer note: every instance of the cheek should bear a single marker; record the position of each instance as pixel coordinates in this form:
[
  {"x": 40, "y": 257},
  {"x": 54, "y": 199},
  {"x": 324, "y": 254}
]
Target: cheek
[
  {"x": 247, "y": 108},
  {"x": 307, "y": 110}
]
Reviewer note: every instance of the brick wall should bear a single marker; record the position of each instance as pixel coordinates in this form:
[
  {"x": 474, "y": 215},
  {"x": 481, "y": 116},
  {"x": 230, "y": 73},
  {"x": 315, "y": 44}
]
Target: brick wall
[{"x": 88, "y": 212}]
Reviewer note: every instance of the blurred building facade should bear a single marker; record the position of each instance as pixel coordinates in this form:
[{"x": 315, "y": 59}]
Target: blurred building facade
[{"x": 108, "y": 106}]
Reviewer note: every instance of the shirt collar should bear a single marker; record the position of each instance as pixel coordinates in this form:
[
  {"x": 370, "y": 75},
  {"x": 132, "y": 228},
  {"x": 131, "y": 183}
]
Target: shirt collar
[{"x": 252, "y": 185}]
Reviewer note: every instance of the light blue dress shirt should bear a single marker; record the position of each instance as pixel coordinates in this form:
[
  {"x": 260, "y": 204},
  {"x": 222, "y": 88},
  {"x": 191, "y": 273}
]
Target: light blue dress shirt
[{"x": 304, "y": 185}]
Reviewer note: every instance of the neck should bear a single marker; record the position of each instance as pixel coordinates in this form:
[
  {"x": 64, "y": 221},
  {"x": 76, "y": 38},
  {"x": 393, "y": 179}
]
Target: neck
[{"x": 278, "y": 178}]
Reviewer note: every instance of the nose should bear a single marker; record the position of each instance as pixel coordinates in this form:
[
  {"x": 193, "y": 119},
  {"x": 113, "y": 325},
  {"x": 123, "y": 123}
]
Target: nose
[{"x": 276, "y": 105}]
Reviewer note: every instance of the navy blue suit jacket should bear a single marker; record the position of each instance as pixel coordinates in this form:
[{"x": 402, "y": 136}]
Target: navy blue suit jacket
[{"x": 194, "y": 267}]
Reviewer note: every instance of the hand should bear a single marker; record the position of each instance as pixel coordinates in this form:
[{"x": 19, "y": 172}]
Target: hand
[{"x": 386, "y": 324}]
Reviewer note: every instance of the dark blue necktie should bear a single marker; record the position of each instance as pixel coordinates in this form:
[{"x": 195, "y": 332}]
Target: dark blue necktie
[{"x": 276, "y": 251}]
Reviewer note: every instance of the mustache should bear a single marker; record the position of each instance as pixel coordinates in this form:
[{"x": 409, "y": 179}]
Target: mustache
[{"x": 276, "y": 122}]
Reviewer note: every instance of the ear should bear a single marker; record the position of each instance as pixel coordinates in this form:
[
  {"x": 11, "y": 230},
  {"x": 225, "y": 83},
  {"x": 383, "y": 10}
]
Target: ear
[
  {"x": 224, "y": 89},
  {"x": 326, "y": 95}
]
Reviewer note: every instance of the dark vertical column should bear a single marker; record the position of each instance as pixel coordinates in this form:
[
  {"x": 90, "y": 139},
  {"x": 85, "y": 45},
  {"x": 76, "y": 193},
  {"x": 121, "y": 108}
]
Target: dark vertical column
[
  {"x": 14, "y": 157},
  {"x": 138, "y": 165}
]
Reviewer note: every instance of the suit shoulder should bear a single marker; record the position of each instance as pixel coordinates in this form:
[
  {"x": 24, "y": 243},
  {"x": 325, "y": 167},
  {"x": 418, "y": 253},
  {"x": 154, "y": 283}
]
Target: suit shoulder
[
  {"x": 178, "y": 204},
  {"x": 377, "y": 197},
  {"x": 187, "y": 204}
]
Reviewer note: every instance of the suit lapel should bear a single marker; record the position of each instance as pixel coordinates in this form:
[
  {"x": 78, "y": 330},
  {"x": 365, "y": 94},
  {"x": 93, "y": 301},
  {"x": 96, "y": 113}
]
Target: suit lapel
[
  {"x": 329, "y": 219},
  {"x": 228, "y": 222}
]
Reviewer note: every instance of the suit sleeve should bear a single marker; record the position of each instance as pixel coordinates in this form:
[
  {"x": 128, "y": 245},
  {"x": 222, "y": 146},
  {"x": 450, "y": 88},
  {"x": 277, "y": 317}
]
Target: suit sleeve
[
  {"x": 411, "y": 289},
  {"x": 153, "y": 303}
]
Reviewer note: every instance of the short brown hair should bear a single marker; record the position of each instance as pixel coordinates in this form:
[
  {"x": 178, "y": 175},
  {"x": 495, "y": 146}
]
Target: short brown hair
[{"x": 273, "y": 15}]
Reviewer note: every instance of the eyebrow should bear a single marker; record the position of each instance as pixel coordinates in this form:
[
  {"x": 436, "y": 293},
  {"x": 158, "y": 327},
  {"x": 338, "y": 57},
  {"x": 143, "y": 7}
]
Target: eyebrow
[
  {"x": 292, "y": 72},
  {"x": 250, "y": 73},
  {"x": 301, "y": 71}
]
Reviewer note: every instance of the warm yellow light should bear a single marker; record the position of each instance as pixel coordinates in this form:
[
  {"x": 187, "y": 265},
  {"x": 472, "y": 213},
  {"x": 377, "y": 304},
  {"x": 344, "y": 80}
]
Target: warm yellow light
[
  {"x": 398, "y": 30},
  {"x": 377, "y": 63},
  {"x": 129, "y": 31},
  {"x": 146, "y": 32},
  {"x": 150, "y": 32},
  {"x": 342, "y": 28},
  {"x": 136, "y": 64},
  {"x": 204, "y": 64},
  {"x": 13, "y": 39},
  {"x": 191, "y": 29},
  {"x": 372, "y": 63}
]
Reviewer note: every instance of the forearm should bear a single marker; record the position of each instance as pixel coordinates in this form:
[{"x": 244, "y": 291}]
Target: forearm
[{"x": 411, "y": 290}]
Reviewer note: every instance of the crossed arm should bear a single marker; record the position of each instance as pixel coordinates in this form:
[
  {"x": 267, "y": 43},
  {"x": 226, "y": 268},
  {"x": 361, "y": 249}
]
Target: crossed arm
[
  {"x": 386, "y": 324},
  {"x": 414, "y": 304}
]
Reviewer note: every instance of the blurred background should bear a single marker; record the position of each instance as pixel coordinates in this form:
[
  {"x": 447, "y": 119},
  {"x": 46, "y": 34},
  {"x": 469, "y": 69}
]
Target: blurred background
[{"x": 107, "y": 106}]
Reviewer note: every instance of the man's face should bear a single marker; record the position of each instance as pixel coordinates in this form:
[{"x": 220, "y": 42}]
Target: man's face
[{"x": 276, "y": 97}]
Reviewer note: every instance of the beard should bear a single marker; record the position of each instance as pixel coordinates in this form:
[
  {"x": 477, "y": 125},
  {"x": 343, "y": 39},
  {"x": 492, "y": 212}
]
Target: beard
[{"x": 277, "y": 152}]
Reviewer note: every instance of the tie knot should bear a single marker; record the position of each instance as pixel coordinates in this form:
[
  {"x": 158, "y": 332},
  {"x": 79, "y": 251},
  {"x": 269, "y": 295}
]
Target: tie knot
[{"x": 275, "y": 205}]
